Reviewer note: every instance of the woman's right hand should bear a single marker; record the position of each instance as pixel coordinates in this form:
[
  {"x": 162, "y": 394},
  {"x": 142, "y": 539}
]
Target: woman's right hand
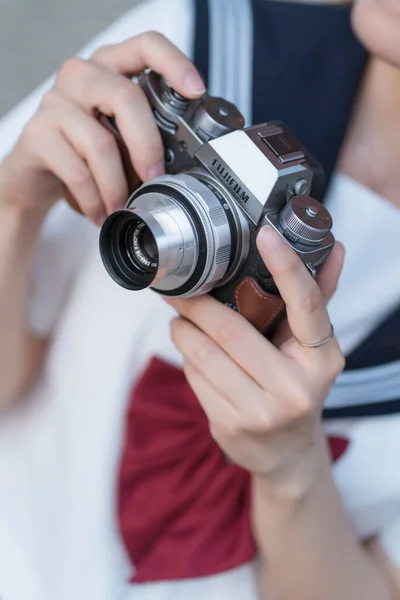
[{"x": 65, "y": 152}]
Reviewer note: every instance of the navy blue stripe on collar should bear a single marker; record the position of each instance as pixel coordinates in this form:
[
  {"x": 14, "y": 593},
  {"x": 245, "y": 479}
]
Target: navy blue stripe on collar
[
  {"x": 378, "y": 409},
  {"x": 381, "y": 347}
]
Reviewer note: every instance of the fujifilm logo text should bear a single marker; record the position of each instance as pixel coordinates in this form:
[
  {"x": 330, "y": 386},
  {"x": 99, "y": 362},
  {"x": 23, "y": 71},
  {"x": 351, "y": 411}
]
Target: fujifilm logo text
[{"x": 233, "y": 184}]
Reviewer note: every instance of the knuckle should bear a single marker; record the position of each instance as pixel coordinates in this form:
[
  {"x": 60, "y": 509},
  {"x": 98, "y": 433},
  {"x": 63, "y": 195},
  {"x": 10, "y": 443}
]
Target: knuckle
[
  {"x": 329, "y": 365},
  {"x": 312, "y": 301},
  {"x": 102, "y": 143},
  {"x": 233, "y": 427},
  {"x": 220, "y": 432},
  {"x": 101, "y": 53},
  {"x": 151, "y": 37},
  {"x": 204, "y": 350},
  {"x": 341, "y": 362},
  {"x": 264, "y": 421},
  {"x": 303, "y": 404},
  {"x": 259, "y": 422},
  {"x": 337, "y": 364},
  {"x": 33, "y": 128},
  {"x": 214, "y": 431},
  {"x": 80, "y": 178},
  {"x": 229, "y": 329},
  {"x": 49, "y": 99},
  {"x": 117, "y": 195},
  {"x": 125, "y": 92},
  {"x": 175, "y": 326},
  {"x": 91, "y": 207},
  {"x": 35, "y": 132},
  {"x": 70, "y": 68},
  {"x": 95, "y": 215}
]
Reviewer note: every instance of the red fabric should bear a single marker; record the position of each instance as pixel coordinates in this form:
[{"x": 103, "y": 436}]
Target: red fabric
[
  {"x": 338, "y": 446},
  {"x": 184, "y": 511}
]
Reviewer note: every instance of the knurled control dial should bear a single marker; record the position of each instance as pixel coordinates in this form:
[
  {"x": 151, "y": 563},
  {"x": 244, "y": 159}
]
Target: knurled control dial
[
  {"x": 175, "y": 102},
  {"x": 305, "y": 220},
  {"x": 215, "y": 117}
]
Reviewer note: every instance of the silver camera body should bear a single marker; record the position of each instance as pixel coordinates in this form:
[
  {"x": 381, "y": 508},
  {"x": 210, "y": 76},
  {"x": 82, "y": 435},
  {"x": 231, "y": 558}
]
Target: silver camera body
[{"x": 193, "y": 231}]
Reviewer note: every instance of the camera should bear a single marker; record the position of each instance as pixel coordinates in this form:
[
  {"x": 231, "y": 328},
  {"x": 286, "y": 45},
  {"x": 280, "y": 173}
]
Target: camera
[{"x": 193, "y": 231}]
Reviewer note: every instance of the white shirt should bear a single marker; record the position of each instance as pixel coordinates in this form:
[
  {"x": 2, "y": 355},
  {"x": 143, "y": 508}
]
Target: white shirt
[{"x": 60, "y": 447}]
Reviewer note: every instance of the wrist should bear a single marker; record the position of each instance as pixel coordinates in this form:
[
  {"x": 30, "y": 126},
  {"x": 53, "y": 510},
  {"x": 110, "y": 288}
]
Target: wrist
[
  {"x": 294, "y": 482},
  {"x": 12, "y": 205},
  {"x": 20, "y": 219}
]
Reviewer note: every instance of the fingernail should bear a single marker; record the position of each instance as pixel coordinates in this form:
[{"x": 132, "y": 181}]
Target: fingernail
[
  {"x": 270, "y": 239},
  {"x": 156, "y": 171},
  {"x": 194, "y": 83}
]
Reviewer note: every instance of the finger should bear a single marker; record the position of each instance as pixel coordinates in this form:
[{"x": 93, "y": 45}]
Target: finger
[
  {"x": 72, "y": 170},
  {"x": 306, "y": 309},
  {"x": 327, "y": 279},
  {"x": 328, "y": 276},
  {"x": 218, "y": 410},
  {"x": 237, "y": 338},
  {"x": 95, "y": 88},
  {"x": 153, "y": 50},
  {"x": 96, "y": 146},
  {"x": 217, "y": 367}
]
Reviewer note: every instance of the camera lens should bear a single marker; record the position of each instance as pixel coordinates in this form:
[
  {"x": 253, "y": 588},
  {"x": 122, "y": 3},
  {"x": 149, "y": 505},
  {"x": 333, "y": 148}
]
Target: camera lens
[
  {"x": 154, "y": 241},
  {"x": 142, "y": 247},
  {"x": 178, "y": 236}
]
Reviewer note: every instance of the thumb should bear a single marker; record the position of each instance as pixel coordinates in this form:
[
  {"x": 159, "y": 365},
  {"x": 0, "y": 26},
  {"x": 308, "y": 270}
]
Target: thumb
[{"x": 329, "y": 274}]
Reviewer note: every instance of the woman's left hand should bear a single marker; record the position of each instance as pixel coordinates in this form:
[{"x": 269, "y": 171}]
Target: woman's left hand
[{"x": 264, "y": 401}]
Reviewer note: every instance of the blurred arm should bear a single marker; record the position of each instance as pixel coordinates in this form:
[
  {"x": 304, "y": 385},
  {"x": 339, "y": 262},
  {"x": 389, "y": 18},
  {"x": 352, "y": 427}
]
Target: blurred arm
[
  {"x": 20, "y": 352},
  {"x": 309, "y": 550}
]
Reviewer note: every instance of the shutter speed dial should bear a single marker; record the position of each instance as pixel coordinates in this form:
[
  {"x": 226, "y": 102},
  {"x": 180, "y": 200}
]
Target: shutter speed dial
[{"x": 305, "y": 220}]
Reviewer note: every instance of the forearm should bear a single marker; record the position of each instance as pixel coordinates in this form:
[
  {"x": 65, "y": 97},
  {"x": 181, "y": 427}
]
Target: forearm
[
  {"x": 19, "y": 231},
  {"x": 307, "y": 546}
]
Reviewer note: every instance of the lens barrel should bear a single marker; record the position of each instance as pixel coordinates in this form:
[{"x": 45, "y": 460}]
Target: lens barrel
[{"x": 177, "y": 234}]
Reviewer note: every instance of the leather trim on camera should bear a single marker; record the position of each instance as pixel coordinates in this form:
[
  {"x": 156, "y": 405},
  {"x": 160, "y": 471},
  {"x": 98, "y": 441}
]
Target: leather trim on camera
[{"x": 260, "y": 308}]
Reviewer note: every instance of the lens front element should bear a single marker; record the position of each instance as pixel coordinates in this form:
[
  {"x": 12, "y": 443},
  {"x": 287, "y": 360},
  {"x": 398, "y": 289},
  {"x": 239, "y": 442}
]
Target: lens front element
[{"x": 142, "y": 247}]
